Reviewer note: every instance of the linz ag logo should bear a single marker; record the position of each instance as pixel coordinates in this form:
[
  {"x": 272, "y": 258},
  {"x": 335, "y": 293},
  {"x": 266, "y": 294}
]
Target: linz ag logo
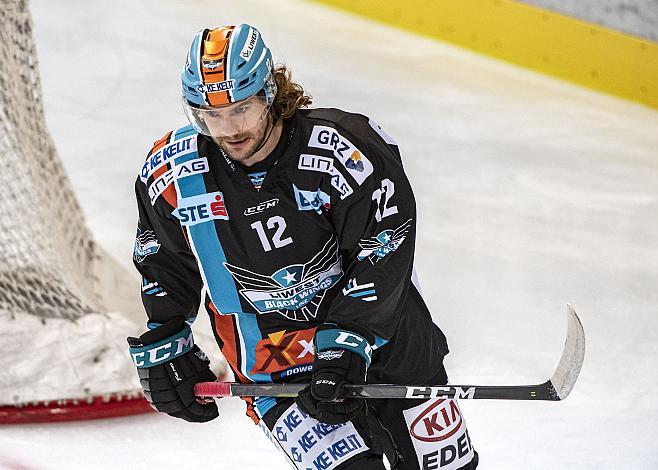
[
  {"x": 216, "y": 87},
  {"x": 197, "y": 209},
  {"x": 189, "y": 168},
  {"x": 438, "y": 422}
]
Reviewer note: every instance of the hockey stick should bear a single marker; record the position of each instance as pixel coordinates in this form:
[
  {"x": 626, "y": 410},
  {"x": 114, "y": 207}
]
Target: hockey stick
[{"x": 556, "y": 388}]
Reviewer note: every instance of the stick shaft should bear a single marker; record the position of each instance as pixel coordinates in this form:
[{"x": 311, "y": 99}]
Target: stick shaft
[{"x": 543, "y": 391}]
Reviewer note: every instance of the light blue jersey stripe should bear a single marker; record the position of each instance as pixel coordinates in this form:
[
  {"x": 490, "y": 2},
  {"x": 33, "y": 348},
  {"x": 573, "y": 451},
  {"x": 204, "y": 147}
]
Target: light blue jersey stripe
[{"x": 219, "y": 281}]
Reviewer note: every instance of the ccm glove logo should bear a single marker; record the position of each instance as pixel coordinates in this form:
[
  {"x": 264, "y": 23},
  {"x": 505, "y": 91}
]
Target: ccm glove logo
[
  {"x": 153, "y": 354},
  {"x": 335, "y": 338},
  {"x": 325, "y": 382},
  {"x": 354, "y": 341}
]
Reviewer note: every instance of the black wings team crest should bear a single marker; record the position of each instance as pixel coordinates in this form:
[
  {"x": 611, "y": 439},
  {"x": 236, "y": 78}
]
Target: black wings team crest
[
  {"x": 385, "y": 242},
  {"x": 295, "y": 291}
]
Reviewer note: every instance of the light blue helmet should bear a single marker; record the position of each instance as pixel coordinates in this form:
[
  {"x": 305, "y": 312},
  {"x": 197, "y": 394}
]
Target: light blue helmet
[{"x": 226, "y": 65}]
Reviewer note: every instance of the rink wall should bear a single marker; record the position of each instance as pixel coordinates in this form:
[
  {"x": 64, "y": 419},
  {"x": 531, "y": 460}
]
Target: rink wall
[
  {"x": 543, "y": 40},
  {"x": 635, "y": 17}
]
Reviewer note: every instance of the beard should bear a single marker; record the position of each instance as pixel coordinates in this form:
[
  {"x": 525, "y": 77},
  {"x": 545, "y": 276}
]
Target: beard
[{"x": 241, "y": 147}]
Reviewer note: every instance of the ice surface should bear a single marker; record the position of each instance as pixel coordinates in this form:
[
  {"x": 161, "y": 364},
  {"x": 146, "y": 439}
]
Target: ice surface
[{"x": 531, "y": 193}]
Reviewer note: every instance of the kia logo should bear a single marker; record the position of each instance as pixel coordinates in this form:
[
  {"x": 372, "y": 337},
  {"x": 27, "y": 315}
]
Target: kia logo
[{"x": 438, "y": 422}]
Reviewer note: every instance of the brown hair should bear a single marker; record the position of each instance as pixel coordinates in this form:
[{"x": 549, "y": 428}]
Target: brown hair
[{"x": 290, "y": 96}]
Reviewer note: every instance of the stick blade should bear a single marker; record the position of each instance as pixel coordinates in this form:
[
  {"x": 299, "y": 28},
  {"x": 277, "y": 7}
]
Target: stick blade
[{"x": 567, "y": 371}]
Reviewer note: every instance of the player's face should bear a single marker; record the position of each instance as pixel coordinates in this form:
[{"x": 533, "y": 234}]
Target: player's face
[
  {"x": 238, "y": 128},
  {"x": 242, "y": 146}
]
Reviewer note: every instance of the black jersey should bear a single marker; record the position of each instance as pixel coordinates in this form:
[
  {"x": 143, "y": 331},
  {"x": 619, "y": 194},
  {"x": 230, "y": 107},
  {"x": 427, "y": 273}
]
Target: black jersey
[{"x": 326, "y": 236}]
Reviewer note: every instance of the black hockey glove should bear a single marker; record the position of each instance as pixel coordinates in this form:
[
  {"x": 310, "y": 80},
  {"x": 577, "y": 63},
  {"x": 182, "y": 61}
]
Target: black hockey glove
[
  {"x": 168, "y": 365},
  {"x": 341, "y": 357}
]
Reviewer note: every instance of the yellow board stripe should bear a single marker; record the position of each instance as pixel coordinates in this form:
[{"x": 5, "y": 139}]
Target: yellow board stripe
[{"x": 539, "y": 39}]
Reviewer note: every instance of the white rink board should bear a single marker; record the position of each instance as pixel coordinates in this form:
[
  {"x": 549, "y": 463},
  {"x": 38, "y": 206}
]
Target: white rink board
[{"x": 531, "y": 193}]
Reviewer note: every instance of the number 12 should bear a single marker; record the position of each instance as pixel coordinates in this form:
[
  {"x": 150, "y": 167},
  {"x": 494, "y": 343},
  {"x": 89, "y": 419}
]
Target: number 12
[{"x": 277, "y": 222}]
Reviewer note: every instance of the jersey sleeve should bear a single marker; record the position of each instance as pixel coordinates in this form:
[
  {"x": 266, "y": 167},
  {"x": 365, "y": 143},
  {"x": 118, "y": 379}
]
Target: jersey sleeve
[
  {"x": 171, "y": 283},
  {"x": 376, "y": 230}
]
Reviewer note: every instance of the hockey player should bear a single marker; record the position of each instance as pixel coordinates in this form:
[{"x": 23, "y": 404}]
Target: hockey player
[{"x": 300, "y": 224}]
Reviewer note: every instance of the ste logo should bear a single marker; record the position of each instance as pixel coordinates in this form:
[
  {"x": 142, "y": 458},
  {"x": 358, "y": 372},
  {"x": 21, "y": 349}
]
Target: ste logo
[{"x": 202, "y": 208}]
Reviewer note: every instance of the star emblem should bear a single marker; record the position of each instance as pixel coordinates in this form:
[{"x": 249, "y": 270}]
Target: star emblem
[{"x": 289, "y": 277}]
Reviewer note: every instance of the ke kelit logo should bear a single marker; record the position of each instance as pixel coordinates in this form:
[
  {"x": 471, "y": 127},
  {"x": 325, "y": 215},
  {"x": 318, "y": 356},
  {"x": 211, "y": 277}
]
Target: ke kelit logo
[
  {"x": 295, "y": 291},
  {"x": 312, "y": 200},
  {"x": 177, "y": 148},
  {"x": 218, "y": 87},
  {"x": 145, "y": 245},
  {"x": 315, "y": 445},
  {"x": 248, "y": 48},
  {"x": 326, "y": 165},
  {"x": 354, "y": 161},
  {"x": 202, "y": 208},
  {"x": 281, "y": 350},
  {"x": 189, "y": 168},
  {"x": 385, "y": 242},
  {"x": 440, "y": 421},
  {"x": 365, "y": 292}
]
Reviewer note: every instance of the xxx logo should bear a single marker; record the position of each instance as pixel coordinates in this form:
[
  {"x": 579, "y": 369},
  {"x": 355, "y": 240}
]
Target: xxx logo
[{"x": 281, "y": 350}]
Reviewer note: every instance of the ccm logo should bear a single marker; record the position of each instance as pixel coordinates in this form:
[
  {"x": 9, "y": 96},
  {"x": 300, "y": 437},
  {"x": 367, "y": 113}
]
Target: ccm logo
[{"x": 438, "y": 422}]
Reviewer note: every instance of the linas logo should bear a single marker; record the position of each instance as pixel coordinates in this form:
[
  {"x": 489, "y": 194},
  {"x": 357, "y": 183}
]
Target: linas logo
[{"x": 438, "y": 422}]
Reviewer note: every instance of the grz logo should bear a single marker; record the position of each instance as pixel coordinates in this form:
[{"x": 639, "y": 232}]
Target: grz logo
[
  {"x": 202, "y": 208},
  {"x": 281, "y": 350},
  {"x": 354, "y": 161}
]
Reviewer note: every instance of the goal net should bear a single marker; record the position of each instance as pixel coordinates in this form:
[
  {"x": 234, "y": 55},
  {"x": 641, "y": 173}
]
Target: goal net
[{"x": 66, "y": 307}]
